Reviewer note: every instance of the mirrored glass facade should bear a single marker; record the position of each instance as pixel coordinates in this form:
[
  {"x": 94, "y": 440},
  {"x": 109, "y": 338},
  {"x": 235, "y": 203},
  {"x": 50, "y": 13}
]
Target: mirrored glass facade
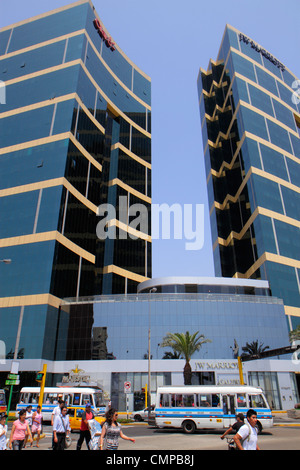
[
  {"x": 116, "y": 328},
  {"x": 250, "y": 126},
  {"x": 75, "y": 133}
]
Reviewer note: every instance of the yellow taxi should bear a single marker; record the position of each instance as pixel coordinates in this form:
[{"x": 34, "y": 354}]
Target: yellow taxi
[{"x": 75, "y": 416}]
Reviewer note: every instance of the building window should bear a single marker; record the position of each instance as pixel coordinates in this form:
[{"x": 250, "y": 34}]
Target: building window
[{"x": 268, "y": 382}]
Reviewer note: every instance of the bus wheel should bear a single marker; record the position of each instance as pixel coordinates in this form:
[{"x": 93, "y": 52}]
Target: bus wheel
[{"x": 188, "y": 427}]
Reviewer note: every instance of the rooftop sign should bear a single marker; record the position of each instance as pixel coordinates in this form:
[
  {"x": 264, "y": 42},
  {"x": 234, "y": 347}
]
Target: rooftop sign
[
  {"x": 263, "y": 52},
  {"x": 103, "y": 35}
]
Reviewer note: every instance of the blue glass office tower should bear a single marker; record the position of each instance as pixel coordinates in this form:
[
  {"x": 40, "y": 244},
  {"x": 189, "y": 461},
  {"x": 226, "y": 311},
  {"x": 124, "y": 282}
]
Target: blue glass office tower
[
  {"x": 250, "y": 125},
  {"x": 75, "y": 132}
]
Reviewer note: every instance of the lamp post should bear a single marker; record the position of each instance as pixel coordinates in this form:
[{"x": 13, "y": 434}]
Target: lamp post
[{"x": 151, "y": 291}]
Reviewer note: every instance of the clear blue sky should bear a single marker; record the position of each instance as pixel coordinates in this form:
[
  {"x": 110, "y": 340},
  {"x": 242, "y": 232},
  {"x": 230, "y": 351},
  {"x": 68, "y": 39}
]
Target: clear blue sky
[{"x": 170, "y": 40}]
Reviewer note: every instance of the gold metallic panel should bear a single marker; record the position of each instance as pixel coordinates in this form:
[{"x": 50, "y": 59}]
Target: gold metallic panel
[
  {"x": 27, "y": 300},
  {"x": 129, "y": 230},
  {"x": 51, "y": 139},
  {"x": 261, "y": 173},
  {"x": 49, "y": 184},
  {"x": 268, "y": 257},
  {"x": 129, "y": 189},
  {"x": 124, "y": 273},
  {"x": 258, "y": 211},
  {"x": 128, "y": 152},
  {"x": 113, "y": 108},
  {"x": 71, "y": 64},
  {"x": 292, "y": 311},
  {"x": 48, "y": 236}
]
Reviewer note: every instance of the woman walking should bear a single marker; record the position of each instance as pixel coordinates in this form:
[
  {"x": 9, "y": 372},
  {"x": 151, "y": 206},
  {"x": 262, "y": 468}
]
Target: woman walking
[
  {"x": 37, "y": 418},
  {"x": 3, "y": 431},
  {"x": 19, "y": 431},
  {"x": 111, "y": 431}
]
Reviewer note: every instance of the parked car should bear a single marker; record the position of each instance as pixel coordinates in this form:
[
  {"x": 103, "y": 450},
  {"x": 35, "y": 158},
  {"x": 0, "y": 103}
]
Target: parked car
[{"x": 142, "y": 415}]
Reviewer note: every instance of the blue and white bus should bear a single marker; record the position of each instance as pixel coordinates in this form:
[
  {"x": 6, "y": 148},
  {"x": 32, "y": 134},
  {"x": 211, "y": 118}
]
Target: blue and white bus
[
  {"x": 209, "y": 407},
  {"x": 72, "y": 396}
]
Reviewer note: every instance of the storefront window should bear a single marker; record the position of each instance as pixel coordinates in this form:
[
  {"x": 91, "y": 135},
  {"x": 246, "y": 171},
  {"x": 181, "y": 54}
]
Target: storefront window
[{"x": 268, "y": 382}]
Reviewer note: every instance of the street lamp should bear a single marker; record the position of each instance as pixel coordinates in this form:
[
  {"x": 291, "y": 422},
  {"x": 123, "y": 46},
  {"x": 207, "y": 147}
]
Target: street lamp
[{"x": 151, "y": 291}]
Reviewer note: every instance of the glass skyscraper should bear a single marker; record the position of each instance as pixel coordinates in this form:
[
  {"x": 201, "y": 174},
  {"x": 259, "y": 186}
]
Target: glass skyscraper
[
  {"x": 75, "y": 133},
  {"x": 250, "y": 125}
]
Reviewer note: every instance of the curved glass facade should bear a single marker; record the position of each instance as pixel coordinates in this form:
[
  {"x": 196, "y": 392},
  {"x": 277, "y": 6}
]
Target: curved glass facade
[
  {"x": 250, "y": 128},
  {"x": 117, "y": 327}
]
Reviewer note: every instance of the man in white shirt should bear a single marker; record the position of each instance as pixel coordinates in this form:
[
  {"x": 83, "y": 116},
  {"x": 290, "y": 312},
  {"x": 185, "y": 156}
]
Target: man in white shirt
[
  {"x": 246, "y": 437},
  {"x": 56, "y": 412},
  {"x": 61, "y": 429}
]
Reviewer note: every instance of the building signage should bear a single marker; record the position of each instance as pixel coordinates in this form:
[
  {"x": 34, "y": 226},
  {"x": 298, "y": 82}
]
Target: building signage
[
  {"x": 216, "y": 365},
  {"x": 103, "y": 35},
  {"x": 263, "y": 52}
]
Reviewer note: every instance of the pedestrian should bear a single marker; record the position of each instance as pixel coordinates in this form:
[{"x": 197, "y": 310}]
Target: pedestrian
[
  {"x": 56, "y": 412},
  {"x": 236, "y": 426},
  {"x": 246, "y": 437},
  {"x": 61, "y": 429},
  {"x": 111, "y": 431},
  {"x": 3, "y": 431},
  {"x": 84, "y": 429},
  {"x": 19, "y": 431},
  {"x": 29, "y": 414},
  {"x": 37, "y": 419}
]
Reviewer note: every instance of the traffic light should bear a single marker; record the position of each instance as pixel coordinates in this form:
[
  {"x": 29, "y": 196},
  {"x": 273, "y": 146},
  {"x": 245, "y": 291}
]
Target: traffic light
[{"x": 39, "y": 376}]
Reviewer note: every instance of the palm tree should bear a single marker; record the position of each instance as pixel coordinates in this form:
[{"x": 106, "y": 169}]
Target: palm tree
[
  {"x": 171, "y": 355},
  {"x": 185, "y": 345},
  {"x": 295, "y": 334},
  {"x": 253, "y": 349}
]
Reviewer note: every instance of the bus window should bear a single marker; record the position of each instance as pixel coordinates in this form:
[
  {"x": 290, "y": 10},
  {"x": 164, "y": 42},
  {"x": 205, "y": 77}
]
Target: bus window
[
  {"x": 97, "y": 400},
  {"x": 164, "y": 400},
  {"x": 2, "y": 398},
  {"x": 257, "y": 401},
  {"x": 204, "y": 400},
  {"x": 33, "y": 398},
  {"x": 241, "y": 400},
  {"x": 68, "y": 399},
  {"x": 188, "y": 400},
  {"x": 51, "y": 398},
  {"x": 86, "y": 399},
  {"x": 215, "y": 400},
  {"x": 176, "y": 401},
  {"x": 76, "y": 400}
]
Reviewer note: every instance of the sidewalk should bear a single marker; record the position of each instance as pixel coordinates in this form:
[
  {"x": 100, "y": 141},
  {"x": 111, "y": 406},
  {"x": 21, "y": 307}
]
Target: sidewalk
[{"x": 281, "y": 418}]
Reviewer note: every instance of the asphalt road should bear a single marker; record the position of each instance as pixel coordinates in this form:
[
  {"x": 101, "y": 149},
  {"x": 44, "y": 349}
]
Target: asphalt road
[{"x": 280, "y": 437}]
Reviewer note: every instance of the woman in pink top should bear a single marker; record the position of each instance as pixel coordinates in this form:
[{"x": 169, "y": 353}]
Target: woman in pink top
[
  {"x": 36, "y": 425},
  {"x": 19, "y": 431}
]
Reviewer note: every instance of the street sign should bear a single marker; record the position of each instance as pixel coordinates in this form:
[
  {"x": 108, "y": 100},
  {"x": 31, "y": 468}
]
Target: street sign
[
  {"x": 127, "y": 387},
  {"x": 13, "y": 376},
  {"x": 12, "y": 382}
]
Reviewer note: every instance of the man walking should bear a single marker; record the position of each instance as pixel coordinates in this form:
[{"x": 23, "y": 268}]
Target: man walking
[
  {"x": 246, "y": 437},
  {"x": 84, "y": 429},
  {"x": 61, "y": 429}
]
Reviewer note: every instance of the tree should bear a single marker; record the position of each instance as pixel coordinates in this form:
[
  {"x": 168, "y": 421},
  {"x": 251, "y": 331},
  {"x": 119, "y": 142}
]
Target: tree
[
  {"x": 295, "y": 334},
  {"x": 171, "y": 355},
  {"x": 253, "y": 349},
  {"x": 185, "y": 345}
]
